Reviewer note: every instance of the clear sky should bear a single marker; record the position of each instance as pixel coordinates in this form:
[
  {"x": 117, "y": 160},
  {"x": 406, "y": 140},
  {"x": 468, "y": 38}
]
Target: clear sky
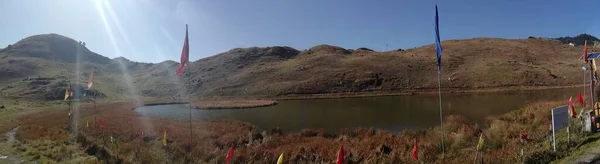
[{"x": 153, "y": 30}]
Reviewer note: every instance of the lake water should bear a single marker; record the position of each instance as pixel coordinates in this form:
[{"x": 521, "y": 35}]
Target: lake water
[{"x": 393, "y": 113}]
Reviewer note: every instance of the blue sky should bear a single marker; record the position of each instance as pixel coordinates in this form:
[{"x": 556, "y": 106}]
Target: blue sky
[{"x": 153, "y": 30}]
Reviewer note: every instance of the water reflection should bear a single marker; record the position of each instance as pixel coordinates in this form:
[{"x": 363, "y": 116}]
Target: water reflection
[{"x": 393, "y": 113}]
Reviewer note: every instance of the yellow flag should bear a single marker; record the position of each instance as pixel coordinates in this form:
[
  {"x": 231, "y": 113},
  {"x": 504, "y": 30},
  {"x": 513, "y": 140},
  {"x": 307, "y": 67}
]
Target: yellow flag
[
  {"x": 66, "y": 94},
  {"x": 165, "y": 138},
  {"x": 69, "y": 113},
  {"x": 87, "y": 123},
  {"x": 480, "y": 144},
  {"x": 594, "y": 64},
  {"x": 280, "y": 160}
]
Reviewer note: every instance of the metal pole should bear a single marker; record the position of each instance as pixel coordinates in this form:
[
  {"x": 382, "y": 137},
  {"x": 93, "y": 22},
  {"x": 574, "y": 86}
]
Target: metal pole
[
  {"x": 584, "y": 82},
  {"x": 94, "y": 100},
  {"x": 568, "y": 135},
  {"x": 189, "y": 87},
  {"x": 553, "y": 133},
  {"x": 441, "y": 115},
  {"x": 190, "y": 106},
  {"x": 592, "y": 85}
]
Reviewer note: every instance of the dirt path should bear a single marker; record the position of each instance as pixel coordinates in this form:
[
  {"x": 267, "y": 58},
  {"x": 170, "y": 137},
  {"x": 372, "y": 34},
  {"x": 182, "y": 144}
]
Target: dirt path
[
  {"x": 11, "y": 135},
  {"x": 591, "y": 156},
  {"x": 5, "y": 154}
]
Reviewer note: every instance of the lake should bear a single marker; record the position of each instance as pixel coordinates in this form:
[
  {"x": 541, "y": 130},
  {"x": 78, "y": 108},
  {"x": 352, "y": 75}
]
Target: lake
[{"x": 394, "y": 113}]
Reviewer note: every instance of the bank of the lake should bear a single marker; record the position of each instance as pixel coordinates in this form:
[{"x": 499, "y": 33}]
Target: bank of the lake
[
  {"x": 363, "y": 145},
  {"x": 422, "y": 91},
  {"x": 210, "y": 104}
]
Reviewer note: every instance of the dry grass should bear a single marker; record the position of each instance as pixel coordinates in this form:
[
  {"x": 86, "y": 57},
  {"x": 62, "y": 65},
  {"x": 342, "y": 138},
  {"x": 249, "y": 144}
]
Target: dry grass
[{"x": 211, "y": 139}]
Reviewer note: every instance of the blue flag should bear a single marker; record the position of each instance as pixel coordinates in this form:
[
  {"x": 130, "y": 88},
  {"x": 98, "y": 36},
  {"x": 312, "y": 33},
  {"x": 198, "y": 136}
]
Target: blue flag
[{"x": 438, "y": 46}]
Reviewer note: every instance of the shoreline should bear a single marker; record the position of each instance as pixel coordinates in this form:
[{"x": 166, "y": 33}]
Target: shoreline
[
  {"x": 219, "y": 104},
  {"x": 257, "y": 102},
  {"x": 415, "y": 92}
]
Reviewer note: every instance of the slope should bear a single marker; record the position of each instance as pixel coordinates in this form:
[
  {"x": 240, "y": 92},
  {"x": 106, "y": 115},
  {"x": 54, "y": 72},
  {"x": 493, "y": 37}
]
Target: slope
[
  {"x": 39, "y": 67},
  {"x": 467, "y": 64}
]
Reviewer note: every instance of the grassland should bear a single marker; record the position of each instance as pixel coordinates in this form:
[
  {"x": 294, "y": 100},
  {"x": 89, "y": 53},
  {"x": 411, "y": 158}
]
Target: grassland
[{"x": 211, "y": 139}]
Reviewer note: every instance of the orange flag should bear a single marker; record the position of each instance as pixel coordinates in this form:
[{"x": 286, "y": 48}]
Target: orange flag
[
  {"x": 229, "y": 154},
  {"x": 185, "y": 53},
  {"x": 340, "y": 157},
  {"x": 90, "y": 80}
]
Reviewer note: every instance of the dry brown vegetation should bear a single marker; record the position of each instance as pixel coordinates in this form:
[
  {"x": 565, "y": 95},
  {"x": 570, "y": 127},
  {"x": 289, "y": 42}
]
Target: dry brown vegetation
[{"x": 211, "y": 139}]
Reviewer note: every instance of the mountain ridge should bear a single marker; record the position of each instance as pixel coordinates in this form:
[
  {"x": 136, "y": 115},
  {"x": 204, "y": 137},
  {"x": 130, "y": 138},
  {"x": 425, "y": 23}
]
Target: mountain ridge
[{"x": 280, "y": 70}]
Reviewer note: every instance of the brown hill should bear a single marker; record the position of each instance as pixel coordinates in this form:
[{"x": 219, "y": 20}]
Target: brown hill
[
  {"x": 478, "y": 63},
  {"x": 467, "y": 64}
]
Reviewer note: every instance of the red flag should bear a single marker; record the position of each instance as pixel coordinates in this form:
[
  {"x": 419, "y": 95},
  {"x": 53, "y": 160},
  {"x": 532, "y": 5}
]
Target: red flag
[
  {"x": 580, "y": 99},
  {"x": 572, "y": 108},
  {"x": 415, "y": 151},
  {"x": 523, "y": 135},
  {"x": 229, "y": 154},
  {"x": 90, "y": 80},
  {"x": 185, "y": 53},
  {"x": 340, "y": 157},
  {"x": 101, "y": 124}
]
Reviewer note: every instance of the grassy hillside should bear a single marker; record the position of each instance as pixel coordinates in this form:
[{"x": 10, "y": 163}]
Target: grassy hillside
[
  {"x": 467, "y": 64},
  {"x": 38, "y": 67}
]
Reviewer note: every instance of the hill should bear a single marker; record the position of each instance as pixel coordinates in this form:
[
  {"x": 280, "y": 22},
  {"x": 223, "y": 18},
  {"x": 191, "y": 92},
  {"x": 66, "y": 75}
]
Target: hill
[
  {"x": 39, "y": 67},
  {"x": 579, "y": 39},
  {"x": 467, "y": 64}
]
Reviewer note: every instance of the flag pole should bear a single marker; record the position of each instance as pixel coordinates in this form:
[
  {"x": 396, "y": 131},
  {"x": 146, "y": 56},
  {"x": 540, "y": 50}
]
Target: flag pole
[
  {"x": 190, "y": 105},
  {"x": 94, "y": 97},
  {"x": 441, "y": 115},
  {"x": 438, "y": 48},
  {"x": 70, "y": 107},
  {"x": 188, "y": 89}
]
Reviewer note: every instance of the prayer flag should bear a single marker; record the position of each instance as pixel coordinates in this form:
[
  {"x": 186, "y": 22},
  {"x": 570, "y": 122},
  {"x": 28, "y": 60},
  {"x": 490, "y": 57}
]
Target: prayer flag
[
  {"x": 481, "y": 140},
  {"x": 280, "y": 160},
  {"x": 165, "y": 138},
  {"x": 185, "y": 53},
  {"x": 438, "y": 45},
  {"x": 229, "y": 154},
  {"x": 90, "y": 80},
  {"x": 340, "y": 157},
  {"x": 415, "y": 150}
]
